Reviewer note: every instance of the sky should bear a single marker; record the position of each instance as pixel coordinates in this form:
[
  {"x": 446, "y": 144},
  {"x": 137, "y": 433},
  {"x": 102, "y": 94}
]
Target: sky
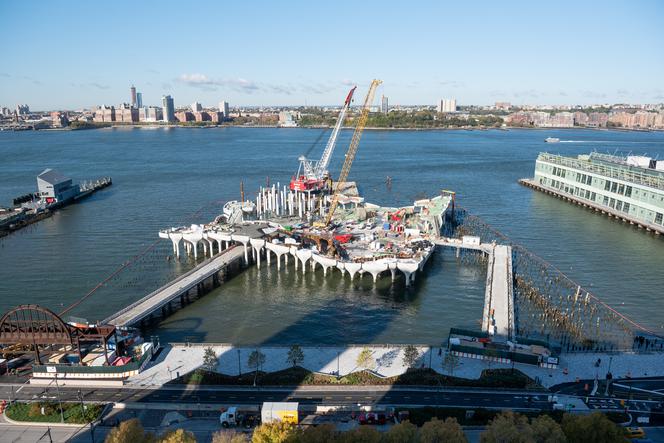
[{"x": 78, "y": 54}]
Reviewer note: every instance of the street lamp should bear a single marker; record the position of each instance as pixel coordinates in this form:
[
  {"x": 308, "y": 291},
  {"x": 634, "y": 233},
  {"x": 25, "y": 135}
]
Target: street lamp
[{"x": 57, "y": 389}]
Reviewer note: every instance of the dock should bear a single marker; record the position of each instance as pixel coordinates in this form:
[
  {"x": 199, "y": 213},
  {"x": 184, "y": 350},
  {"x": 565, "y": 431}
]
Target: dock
[
  {"x": 498, "y": 314},
  {"x": 498, "y": 318},
  {"x": 604, "y": 210},
  {"x": 158, "y": 303}
]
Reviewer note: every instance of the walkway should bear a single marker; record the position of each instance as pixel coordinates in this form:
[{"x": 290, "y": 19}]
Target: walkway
[
  {"x": 498, "y": 318},
  {"x": 154, "y": 301}
]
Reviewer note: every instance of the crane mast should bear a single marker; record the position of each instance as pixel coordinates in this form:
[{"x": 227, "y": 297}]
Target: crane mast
[
  {"x": 310, "y": 175},
  {"x": 324, "y": 162},
  {"x": 352, "y": 149}
]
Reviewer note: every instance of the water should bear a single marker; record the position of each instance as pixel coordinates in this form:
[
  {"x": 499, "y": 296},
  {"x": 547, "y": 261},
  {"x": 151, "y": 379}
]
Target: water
[{"x": 166, "y": 177}]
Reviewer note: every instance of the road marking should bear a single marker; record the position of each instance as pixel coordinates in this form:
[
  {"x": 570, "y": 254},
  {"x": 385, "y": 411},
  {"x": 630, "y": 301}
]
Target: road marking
[
  {"x": 369, "y": 398},
  {"x": 348, "y": 398}
]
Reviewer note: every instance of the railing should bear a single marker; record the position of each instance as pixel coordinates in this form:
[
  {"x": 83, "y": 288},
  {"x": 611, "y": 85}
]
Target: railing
[
  {"x": 498, "y": 353},
  {"x": 625, "y": 172},
  {"x": 166, "y": 286}
]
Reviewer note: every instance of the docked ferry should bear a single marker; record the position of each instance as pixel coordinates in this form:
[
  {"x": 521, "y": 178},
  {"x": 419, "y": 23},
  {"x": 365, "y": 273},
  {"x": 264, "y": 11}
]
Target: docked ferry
[{"x": 630, "y": 188}]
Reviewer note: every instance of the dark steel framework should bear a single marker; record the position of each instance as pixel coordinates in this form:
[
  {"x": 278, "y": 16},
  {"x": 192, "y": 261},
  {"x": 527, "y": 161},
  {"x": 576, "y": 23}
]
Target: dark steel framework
[{"x": 35, "y": 326}]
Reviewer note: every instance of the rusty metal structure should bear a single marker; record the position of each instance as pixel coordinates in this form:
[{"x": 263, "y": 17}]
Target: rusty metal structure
[{"x": 35, "y": 326}]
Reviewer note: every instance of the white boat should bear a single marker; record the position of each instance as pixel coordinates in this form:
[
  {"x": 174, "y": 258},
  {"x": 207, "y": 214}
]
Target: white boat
[{"x": 552, "y": 140}]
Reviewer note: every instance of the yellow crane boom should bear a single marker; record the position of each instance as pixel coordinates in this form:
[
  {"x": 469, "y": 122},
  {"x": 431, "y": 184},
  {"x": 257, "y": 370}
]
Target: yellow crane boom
[{"x": 352, "y": 149}]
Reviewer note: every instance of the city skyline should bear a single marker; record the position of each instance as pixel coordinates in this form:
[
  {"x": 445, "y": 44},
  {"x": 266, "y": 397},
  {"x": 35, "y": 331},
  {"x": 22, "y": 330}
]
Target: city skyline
[{"x": 299, "y": 54}]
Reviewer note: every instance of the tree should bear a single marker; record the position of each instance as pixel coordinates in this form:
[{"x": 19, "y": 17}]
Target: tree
[
  {"x": 274, "y": 432},
  {"x": 229, "y": 437},
  {"x": 316, "y": 434},
  {"x": 404, "y": 432},
  {"x": 410, "y": 356},
  {"x": 448, "y": 431},
  {"x": 178, "y": 436},
  {"x": 363, "y": 434},
  {"x": 590, "y": 429},
  {"x": 129, "y": 431},
  {"x": 210, "y": 359},
  {"x": 450, "y": 362},
  {"x": 295, "y": 355},
  {"x": 256, "y": 360},
  {"x": 365, "y": 359},
  {"x": 508, "y": 427},
  {"x": 546, "y": 430}
]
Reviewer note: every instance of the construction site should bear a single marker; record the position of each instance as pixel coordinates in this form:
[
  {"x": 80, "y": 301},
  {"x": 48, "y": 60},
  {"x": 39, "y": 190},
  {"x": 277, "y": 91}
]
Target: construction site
[{"x": 324, "y": 221}]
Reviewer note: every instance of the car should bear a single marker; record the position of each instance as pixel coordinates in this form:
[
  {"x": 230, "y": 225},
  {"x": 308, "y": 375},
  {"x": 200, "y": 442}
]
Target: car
[{"x": 632, "y": 433}]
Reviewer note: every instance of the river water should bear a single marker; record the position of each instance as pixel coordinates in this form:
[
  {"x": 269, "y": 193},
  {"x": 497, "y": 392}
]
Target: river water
[{"x": 166, "y": 177}]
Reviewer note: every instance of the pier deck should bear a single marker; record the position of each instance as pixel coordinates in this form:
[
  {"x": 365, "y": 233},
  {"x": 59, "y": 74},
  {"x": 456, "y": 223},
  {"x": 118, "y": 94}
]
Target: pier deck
[
  {"x": 154, "y": 301},
  {"x": 498, "y": 318}
]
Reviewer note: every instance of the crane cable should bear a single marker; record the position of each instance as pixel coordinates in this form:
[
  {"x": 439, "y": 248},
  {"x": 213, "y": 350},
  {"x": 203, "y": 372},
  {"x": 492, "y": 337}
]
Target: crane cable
[{"x": 127, "y": 264}]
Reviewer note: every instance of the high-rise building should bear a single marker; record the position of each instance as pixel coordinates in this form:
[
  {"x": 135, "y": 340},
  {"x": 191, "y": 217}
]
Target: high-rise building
[
  {"x": 139, "y": 100},
  {"x": 169, "y": 108},
  {"x": 133, "y": 96},
  {"x": 223, "y": 107},
  {"x": 22, "y": 109},
  {"x": 447, "y": 105},
  {"x": 196, "y": 107},
  {"x": 384, "y": 104}
]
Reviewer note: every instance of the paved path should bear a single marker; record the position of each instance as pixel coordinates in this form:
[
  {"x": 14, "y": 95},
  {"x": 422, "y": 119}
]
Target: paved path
[
  {"x": 162, "y": 296},
  {"x": 499, "y": 297}
]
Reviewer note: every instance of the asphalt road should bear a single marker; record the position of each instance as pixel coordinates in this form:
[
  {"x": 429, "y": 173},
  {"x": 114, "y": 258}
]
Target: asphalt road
[{"x": 256, "y": 396}]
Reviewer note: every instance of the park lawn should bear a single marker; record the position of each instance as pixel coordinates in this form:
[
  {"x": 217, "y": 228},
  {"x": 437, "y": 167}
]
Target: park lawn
[{"x": 72, "y": 412}]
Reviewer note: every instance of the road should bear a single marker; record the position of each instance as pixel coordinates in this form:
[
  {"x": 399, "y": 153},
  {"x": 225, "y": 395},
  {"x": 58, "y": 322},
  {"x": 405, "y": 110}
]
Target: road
[{"x": 402, "y": 396}]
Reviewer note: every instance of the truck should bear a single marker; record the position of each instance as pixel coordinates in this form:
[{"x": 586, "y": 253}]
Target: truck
[
  {"x": 229, "y": 418},
  {"x": 286, "y": 412}
]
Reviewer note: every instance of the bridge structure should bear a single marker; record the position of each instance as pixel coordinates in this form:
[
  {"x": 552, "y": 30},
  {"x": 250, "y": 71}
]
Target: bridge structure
[
  {"x": 160, "y": 302},
  {"x": 498, "y": 314}
]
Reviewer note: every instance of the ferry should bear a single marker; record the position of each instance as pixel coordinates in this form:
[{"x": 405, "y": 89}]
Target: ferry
[{"x": 552, "y": 140}]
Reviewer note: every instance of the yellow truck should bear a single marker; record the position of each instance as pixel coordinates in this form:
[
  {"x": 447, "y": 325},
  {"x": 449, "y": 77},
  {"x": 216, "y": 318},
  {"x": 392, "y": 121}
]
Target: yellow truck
[{"x": 286, "y": 412}]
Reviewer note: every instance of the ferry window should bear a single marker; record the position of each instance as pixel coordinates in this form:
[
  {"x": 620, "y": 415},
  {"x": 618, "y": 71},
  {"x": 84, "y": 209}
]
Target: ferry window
[
  {"x": 563, "y": 173},
  {"x": 606, "y": 201},
  {"x": 621, "y": 189},
  {"x": 607, "y": 185},
  {"x": 618, "y": 205},
  {"x": 593, "y": 196},
  {"x": 590, "y": 180},
  {"x": 612, "y": 202},
  {"x": 628, "y": 191},
  {"x": 614, "y": 187},
  {"x": 626, "y": 207},
  {"x": 578, "y": 177},
  {"x": 658, "y": 218}
]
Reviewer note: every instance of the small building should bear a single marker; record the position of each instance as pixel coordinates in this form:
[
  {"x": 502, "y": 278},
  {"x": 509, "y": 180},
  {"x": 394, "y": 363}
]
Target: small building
[{"x": 54, "y": 187}]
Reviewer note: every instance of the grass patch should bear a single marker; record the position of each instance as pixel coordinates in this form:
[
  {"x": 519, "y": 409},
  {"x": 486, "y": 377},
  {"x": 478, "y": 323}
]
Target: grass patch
[
  {"x": 490, "y": 378},
  {"x": 72, "y": 412}
]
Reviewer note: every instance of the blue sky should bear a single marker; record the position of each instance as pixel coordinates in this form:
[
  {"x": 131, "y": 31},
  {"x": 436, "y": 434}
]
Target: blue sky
[{"x": 69, "y": 55}]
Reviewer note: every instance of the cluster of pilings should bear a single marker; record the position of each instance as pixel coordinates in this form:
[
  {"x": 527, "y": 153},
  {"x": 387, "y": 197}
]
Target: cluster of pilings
[{"x": 551, "y": 306}]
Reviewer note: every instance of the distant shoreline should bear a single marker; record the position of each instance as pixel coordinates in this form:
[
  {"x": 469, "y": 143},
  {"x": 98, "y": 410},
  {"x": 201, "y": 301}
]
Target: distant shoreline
[{"x": 371, "y": 128}]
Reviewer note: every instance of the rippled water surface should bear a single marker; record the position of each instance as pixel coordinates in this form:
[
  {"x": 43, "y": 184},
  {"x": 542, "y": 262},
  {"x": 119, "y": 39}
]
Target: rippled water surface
[{"x": 168, "y": 177}]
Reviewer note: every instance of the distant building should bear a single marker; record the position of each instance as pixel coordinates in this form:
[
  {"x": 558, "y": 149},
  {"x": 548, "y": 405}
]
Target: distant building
[
  {"x": 223, "y": 107},
  {"x": 126, "y": 115},
  {"x": 169, "y": 108},
  {"x": 54, "y": 187},
  {"x": 139, "y": 100},
  {"x": 133, "y": 96},
  {"x": 384, "y": 107},
  {"x": 105, "y": 114},
  {"x": 286, "y": 120},
  {"x": 196, "y": 107},
  {"x": 22, "y": 109},
  {"x": 503, "y": 106},
  {"x": 183, "y": 116},
  {"x": 60, "y": 119},
  {"x": 447, "y": 105},
  {"x": 150, "y": 114}
]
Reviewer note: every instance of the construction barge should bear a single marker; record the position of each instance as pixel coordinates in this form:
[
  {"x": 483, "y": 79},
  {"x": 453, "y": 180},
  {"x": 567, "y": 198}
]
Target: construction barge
[{"x": 54, "y": 191}]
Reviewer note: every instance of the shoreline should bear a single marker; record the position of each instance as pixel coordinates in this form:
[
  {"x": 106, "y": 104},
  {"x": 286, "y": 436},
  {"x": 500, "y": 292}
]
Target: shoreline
[{"x": 368, "y": 128}]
